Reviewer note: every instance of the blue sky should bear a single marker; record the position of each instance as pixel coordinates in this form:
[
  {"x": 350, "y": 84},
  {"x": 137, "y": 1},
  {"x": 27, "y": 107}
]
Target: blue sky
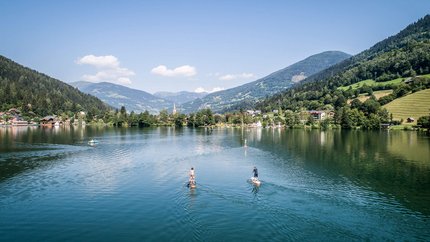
[{"x": 190, "y": 45}]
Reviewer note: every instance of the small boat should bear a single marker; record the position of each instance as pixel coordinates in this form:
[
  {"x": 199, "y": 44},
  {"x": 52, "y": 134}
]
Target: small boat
[
  {"x": 93, "y": 142},
  {"x": 255, "y": 181}
]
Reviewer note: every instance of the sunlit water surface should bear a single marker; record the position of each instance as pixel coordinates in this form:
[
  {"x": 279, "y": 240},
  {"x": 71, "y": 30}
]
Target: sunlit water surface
[{"x": 131, "y": 186}]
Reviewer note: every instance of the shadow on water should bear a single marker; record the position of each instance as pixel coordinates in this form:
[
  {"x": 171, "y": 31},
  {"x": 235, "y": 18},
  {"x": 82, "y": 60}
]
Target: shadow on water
[
  {"x": 255, "y": 190},
  {"x": 12, "y": 166},
  {"x": 29, "y": 148},
  {"x": 393, "y": 163}
]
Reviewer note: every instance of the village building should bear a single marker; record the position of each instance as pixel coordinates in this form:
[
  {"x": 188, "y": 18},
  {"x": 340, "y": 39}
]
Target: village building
[
  {"x": 18, "y": 121},
  {"x": 318, "y": 115},
  {"x": 48, "y": 121},
  {"x": 14, "y": 111}
]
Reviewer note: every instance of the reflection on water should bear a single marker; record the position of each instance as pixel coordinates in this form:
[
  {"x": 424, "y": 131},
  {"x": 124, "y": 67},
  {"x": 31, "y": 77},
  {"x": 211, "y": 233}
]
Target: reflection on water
[
  {"x": 255, "y": 190},
  {"x": 394, "y": 163},
  {"x": 332, "y": 185}
]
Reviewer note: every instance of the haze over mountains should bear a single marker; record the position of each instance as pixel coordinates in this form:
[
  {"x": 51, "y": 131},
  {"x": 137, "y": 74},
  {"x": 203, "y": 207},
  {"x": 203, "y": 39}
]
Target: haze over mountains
[
  {"x": 266, "y": 86},
  {"x": 117, "y": 96},
  {"x": 180, "y": 97}
]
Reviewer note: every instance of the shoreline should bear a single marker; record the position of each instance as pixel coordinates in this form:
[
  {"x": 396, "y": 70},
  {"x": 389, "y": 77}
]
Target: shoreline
[{"x": 400, "y": 127}]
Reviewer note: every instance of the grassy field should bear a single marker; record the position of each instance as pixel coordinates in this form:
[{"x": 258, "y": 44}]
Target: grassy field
[
  {"x": 370, "y": 82},
  {"x": 413, "y": 105},
  {"x": 378, "y": 94}
]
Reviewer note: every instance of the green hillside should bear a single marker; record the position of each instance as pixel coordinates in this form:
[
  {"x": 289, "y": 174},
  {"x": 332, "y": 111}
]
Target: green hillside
[
  {"x": 371, "y": 83},
  {"x": 404, "y": 55},
  {"x": 414, "y": 105},
  {"x": 29, "y": 90}
]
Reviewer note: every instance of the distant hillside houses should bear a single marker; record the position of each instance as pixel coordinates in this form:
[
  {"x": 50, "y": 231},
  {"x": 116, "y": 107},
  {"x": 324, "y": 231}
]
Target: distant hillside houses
[
  {"x": 253, "y": 112},
  {"x": 12, "y": 117},
  {"x": 321, "y": 115}
]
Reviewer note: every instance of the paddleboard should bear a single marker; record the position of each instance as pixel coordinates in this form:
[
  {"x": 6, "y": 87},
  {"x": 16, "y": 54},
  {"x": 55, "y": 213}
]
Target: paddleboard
[
  {"x": 255, "y": 181},
  {"x": 93, "y": 141},
  {"x": 192, "y": 184}
]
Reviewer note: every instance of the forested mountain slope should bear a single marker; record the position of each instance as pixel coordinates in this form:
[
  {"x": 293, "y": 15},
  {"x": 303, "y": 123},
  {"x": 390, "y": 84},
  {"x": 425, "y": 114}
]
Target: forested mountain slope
[
  {"x": 405, "y": 54},
  {"x": 29, "y": 90}
]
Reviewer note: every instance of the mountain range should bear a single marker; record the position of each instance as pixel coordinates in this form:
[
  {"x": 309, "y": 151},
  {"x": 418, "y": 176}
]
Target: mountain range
[
  {"x": 187, "y": 102},
  {"x": 276, "y": 82},
  {"x": 180, "y": 97},
  {"x": 118, "y": 95}
]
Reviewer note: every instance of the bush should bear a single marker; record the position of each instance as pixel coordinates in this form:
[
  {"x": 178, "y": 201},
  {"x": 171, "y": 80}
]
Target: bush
[
  {"x": 424, "y": 122},
  {"x": 386, "y": 99},
  {"x": 396, "y": 122},
  {"x": 407, "y": 128}
]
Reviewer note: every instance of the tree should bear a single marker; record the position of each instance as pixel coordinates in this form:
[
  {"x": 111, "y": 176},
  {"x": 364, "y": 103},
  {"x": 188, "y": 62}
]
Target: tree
[
  {"x": 352, "y": 118},
  {"x": 290, "y": 119},
  {"x": 424, "y": 122},
  {"x": 133, "y": 119},
  {"x": 191, "y": 120},
  {"x": 356, "y": 103},
  {"x": 145, "y": 119},
  {"x": 400, "y": 91},
  {"x": 325, "y": 124},
  {"x": 370, "y": 106},
  {"x": 340, "y": 101},
  {"x": 204, "y": 117},
  {"x": 164, "y": 116},
  {"x": 373, "y": 122},
  {"x": 180, "y": 119},
  {"x": 310, "y": 120}
]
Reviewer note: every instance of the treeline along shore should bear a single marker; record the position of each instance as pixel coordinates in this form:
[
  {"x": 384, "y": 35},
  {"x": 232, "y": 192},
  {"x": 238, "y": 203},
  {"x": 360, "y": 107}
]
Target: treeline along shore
[{"x": 277, "y": 118}]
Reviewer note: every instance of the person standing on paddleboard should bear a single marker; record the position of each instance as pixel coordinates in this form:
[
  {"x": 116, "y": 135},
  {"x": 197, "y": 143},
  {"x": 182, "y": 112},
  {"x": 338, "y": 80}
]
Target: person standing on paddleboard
[
  {"x": 192, "y": 176},
  {"x": 255, "y": 171}
]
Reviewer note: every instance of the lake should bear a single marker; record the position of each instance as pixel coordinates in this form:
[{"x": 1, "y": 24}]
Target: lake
[{"x": 131, "y": 186}]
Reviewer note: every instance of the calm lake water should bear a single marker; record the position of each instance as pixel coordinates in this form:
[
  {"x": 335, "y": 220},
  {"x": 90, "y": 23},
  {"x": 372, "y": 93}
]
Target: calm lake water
[{"x": 131, "y": 186}]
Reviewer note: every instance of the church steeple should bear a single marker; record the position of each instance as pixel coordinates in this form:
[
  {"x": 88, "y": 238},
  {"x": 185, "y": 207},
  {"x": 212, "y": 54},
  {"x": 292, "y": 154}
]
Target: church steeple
[{"x": 174, "y": 109}]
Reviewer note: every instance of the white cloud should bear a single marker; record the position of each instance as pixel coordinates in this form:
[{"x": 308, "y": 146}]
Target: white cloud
[
  {"x": 229, "y": 77},
  {"x": 124, "y": 80},
  {"x": 109, "y": 69},
  {"x": 184, "y": 70},
  {"x": 215, "y": 89},
  {"x": 200, "y": 90},
  {"x": 108, "y": 61}
]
